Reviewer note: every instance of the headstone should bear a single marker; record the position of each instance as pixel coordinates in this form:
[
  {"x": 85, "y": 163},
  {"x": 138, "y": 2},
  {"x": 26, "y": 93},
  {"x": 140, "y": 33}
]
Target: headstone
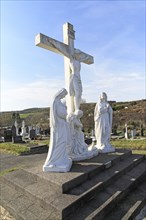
[
  {"x": 16, "y": 125},
  {"x": 17, "y": 139},
  {"x": 126, "y": 132},
  {"x": 32, "y": 134},
  {"x": 133, "y": 133},
  {"x": 142, "y": 131},
  {"x": 27, "y": 129},
  {"x": 23, "y": 129},
  {"x": 8, "y": 135},
  {"x": 37, "y": 131},
  {"x": 13, "y": 131}
]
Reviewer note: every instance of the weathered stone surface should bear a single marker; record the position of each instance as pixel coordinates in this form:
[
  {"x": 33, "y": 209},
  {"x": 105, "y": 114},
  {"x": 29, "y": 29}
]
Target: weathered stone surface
[
  {"x": 5, "y": 215},
  {"x": 29, "y": 193}
]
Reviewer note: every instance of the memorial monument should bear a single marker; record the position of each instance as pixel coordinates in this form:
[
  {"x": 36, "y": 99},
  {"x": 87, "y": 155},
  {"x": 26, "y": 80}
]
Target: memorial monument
[{"x": 72, "y": 59}]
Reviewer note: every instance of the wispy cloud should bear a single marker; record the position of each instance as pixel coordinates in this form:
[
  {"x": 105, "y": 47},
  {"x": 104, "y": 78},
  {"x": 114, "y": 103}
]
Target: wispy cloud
[
  {"x": 118, "y": 86},
  {"x": 35, "y": 94}
]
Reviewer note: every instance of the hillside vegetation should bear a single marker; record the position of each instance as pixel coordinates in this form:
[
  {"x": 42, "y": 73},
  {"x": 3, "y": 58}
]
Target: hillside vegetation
[{"x": 132, "y": 113}]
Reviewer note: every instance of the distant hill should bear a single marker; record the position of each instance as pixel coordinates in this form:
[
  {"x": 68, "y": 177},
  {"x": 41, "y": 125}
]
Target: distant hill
[
  {"x": 32, "y": 110},
  {"x": 132, "y": 113}
]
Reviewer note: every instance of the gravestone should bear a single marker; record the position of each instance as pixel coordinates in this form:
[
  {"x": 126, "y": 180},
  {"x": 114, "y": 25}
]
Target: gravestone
[
  {"x": 37, "y": 131},
  {"x": 16, "y": 125},
  {"x": 17, "y": 139},
  {"x": 23, "y": 129},
  {"x": 27, "y": 129},
  {"x": 126, "y": 132},
  {"x": 133, "y": 133},
  {"x": 32, "y": 134},
  {"x": 13, "y": 131},
  {"x": 8, "y": 135}
]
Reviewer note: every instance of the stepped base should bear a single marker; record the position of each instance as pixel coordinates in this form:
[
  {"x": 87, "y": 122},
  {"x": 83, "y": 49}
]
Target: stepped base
[{"x": 89, "y": 191}]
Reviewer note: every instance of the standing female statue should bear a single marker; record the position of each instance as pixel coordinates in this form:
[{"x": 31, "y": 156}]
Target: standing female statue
[
  {"x": 103, "y": 124},
  {"x": 57, "y": 159}
]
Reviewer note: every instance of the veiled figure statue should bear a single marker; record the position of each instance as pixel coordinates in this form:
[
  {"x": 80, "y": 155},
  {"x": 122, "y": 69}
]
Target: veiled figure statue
[
  {"x": 57, "y": 159},
  {"x": 103, "y": 114}
]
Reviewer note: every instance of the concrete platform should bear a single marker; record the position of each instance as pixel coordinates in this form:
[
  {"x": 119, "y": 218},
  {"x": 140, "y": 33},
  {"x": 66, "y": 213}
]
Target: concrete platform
[{"x": 90, "y": 190}]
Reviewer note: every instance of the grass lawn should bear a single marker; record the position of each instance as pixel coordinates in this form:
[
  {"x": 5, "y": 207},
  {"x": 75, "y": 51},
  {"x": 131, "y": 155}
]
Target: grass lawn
[
  {"x": 18, "y": 149},
  {"x": 13, "y": 148},
  {"x": 137, "y": 146}
]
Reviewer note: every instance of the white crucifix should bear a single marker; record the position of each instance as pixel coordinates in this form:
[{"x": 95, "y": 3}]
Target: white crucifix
[{"x": 72, "y": 59}]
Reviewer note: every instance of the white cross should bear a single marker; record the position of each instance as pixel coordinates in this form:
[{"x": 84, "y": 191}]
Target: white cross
[{"x": 67, "y": 50}]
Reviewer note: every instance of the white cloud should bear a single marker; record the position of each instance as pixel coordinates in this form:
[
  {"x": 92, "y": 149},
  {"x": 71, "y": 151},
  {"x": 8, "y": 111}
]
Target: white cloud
[
  {"x": 118, "y": 86},
  {"x": 35, "y": 94}
]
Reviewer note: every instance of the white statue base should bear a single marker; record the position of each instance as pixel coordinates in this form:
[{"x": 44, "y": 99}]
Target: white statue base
[
  {"x": 90, "y": 153},
  {"x": 59, "y": 168},
  {"x": 105, "y": 148}
]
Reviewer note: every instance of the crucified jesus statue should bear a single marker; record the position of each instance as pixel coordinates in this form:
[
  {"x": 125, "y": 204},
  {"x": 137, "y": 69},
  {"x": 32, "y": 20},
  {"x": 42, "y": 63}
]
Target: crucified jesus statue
[
  {"x": 75, "y": 84},
  {"x": 72, "y": 60}
]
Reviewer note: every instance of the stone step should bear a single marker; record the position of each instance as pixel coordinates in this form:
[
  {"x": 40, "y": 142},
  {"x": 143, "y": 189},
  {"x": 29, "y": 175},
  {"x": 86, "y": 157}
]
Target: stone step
[
  {"x": 131, "y": 205},
  {"x": 22, "y": 207},
  {"x": 62, "y": 182},
  {"x": 48, "y": 195},
  {"x": 80, "y": 171},
  {"x": 104, "y": 178},
  {"x": 45, "y": 192},
  {"x": 105, "y": 200}
]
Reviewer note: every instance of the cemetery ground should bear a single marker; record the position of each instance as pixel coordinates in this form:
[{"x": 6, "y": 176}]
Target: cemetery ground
[{"x": 137, "y": 146}]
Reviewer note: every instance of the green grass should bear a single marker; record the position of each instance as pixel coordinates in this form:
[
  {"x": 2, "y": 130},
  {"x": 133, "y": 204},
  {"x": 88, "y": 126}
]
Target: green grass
[
  {"x": 9, "y": 170},
  {"x": 137, "y": 146},
  {"x": 13, "y": 148},
  {"x": 39, "y": 142},
  {"x": 18, "y": 149},
  {"x": 139, "y": 152},
  {"x": 25, "y": 115},
  {"x": 132, "y": 144}
]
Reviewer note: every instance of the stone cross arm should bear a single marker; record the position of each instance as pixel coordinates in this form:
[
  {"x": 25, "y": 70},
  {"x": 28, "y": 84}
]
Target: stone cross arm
[{"x": 61, "y": 48}]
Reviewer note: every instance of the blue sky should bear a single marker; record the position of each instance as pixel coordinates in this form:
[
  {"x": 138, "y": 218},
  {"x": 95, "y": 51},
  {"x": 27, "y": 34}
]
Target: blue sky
[{"x": 111, "y": 31}]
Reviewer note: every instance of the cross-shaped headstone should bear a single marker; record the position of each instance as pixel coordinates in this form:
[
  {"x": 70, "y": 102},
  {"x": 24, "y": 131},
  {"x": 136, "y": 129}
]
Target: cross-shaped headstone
[{"x": 67, "y": 50}]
